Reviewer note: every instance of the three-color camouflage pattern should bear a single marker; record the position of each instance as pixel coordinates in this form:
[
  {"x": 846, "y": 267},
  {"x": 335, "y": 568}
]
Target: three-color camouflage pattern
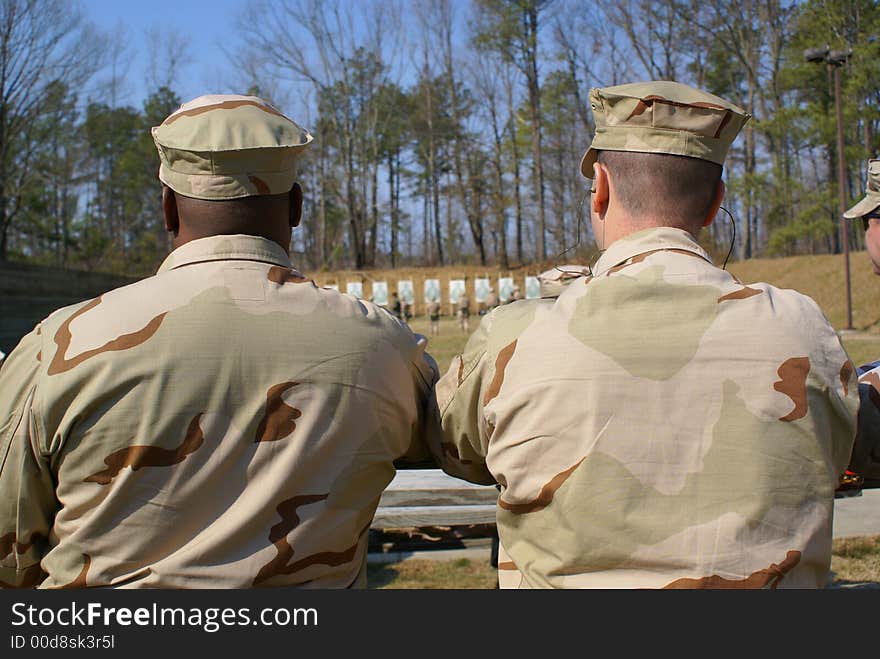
[
  {"x": 662, "y": 117},
  {"x": 658, "y": 425},
  {"x": 228, "y": 146},
  {"x": 865, "y": 460},
  {"x": 871, "y": 201},
  {"x": 223, "y": 424}
]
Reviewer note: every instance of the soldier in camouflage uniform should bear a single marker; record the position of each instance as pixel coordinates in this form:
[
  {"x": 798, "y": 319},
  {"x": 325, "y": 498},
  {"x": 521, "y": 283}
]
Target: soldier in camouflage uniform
[
  {"x": 553, "y": 281},
  {"x": 492, "y": 300},
  {"x": 865, "y": 464},
  {"x": 225, "y": 423},
  {"x": 660, "y": 424},
  {"x": 868, "y": 211},
  {"x": 463, "y": 311}
]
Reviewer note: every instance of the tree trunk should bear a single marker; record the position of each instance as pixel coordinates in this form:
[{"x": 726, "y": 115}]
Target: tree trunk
[
  {"x": 517, "y": 195},
  {"x": 498, "y": 201},
  {"x": 4, "y": 223},
  {"x": 374, "y": 213},
  {"x": 322, "y": 200},
  {"x": 432, "y": 173},
  {"x": 427, "y": 249},
  {"x": 535, "y": 108},
  {"x": 750, "y": 171},
  {"x": 470, "y": 208},
  {"x": 354, "y": 219},
  {"x": 559, "y": 199},
  {"x": 393, "y": 254},
  {"x": 438, "y": 231},
  {"x": 450, "y": 229}
]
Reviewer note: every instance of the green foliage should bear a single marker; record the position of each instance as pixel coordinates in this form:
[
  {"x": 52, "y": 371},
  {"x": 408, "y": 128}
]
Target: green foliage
[
  {"x": 93, "y": 200},
  {"x": 811, "y": 224},
  {"x": 842, "y": 25}
]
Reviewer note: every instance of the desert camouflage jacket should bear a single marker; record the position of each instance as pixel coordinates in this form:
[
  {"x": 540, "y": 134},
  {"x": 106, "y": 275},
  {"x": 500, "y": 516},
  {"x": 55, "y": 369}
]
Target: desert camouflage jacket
[
  {"x": 866, "y": 452},
  {"x": 659, "y": 424},
  {"x": 223, "y": 424}
]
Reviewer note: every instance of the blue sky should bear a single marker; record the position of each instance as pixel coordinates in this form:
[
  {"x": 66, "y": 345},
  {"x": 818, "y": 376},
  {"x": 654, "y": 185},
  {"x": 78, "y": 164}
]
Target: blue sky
[
  {"x": 211, "y": 29},
  {"x": 208, "y": 25}
]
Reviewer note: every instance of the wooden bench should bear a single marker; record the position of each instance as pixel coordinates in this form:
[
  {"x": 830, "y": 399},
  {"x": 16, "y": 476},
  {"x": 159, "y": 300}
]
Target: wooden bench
[{"x": 429, "y": 508}]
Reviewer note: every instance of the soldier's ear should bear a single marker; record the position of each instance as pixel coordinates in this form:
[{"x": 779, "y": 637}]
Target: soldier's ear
[
  {"x": 716, "y": 204},
  {"x": 296, "y": 205},
  {"x": 169, "y": 210},
  {"x": 599, "y": 196}
]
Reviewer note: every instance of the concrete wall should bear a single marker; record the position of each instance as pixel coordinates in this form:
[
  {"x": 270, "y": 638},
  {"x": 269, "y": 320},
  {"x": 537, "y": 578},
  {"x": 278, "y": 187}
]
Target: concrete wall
[{"x": 29, "y": 293}]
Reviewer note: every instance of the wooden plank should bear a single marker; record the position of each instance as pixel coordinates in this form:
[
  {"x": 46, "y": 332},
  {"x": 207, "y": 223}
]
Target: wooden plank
[
  {"x": 441, "y": 497},
  {"x": 431, "y": 479},
  {"x": 429, "y": 497},
  {"x": 408, "y": 516}
]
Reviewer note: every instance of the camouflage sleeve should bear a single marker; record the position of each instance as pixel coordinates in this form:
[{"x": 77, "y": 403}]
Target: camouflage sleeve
[
  {"x": 462, "y": 442},
  {"x": 865, "y": 460},
  {"x": 835, "y": 384},
  {"x": 27, "y": 493},
  {"x": 425, "y": 373}
]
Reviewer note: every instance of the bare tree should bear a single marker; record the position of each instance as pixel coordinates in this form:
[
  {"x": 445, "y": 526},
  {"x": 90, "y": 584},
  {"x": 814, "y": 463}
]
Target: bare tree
[
  {"x": 511, "y": 27},
  {"x": 569, "y": 35},
  {"x": 437, "y": 16},
  {"x": 752, "y": 35},
  {"x": 653, "y": 29},
  {"x": 170, "y": 53},
  {"x": 487, "y": 74},
  {"x": 340, "y": 53},
  {"x": 513, "y": 124}
]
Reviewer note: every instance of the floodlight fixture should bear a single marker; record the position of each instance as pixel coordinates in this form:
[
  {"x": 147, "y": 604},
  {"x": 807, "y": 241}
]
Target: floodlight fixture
[
  {"x": 816, "y": 54},
  {"x": 839, "y": 57},
  {"x": 836, "y": 59}
]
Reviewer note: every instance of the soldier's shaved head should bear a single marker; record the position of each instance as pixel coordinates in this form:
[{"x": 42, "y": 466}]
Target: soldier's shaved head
[
  {"x": 663, "y": 189},
  {"x": 269, "y": 216}
]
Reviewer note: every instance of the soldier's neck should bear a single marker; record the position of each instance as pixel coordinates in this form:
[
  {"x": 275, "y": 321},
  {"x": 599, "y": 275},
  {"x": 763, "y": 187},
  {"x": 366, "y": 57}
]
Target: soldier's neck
[
  {"x": 620, "y": 225},
  {"x": 186, "y": 234}
]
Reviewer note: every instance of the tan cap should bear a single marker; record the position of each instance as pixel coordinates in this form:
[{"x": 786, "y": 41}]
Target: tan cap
[
  {"x": 871, "y": 201},
  {"x": 662, "y": 117},
  {"x": 229, "y": 146}
]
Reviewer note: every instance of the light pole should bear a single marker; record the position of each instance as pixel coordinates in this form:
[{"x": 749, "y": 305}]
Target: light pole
[{"x": 835, "y": 59}]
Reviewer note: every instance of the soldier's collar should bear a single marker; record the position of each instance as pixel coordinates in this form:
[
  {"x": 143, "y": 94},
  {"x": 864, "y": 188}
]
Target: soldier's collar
[
  {"x": 647, "y": 240},
  {"x": 227, "y": 248}
]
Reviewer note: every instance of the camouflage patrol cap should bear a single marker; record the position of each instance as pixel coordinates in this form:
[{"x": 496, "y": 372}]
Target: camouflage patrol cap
[
  {"x": 662, "y": 116},
  {"x": 228, "y": 146},
  {"x": 871, "y": 200}
]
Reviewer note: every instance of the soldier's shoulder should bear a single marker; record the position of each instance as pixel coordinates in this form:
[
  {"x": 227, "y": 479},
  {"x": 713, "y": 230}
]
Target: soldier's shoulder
[
  {"x": 505, "y": 323},
  {"x": 133, "y": 293},
  {"x": 63, "y": 314},
  {"x": 789, "y": 299},
  {"x": 366, "y": 314},
  {"x": 57, "y": 327},
  {"x": 793, "y": 313}
]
